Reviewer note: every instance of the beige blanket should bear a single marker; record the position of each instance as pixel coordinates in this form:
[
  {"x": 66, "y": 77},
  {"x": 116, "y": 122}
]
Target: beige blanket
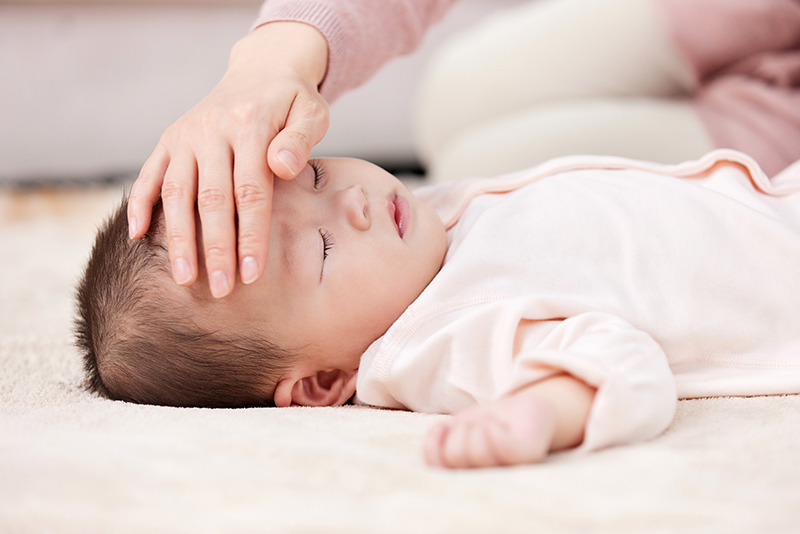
[{"x": 72, "y": 462}]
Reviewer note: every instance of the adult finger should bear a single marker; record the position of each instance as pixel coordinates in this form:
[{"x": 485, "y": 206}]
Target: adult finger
[
  {"x": 145, "y": 192},
  {"x": 305, "y": 126},
  {"x": 253, "y": 198},
  {"x": 216, "y": 207},
  {"x": 177, "y": 195}
]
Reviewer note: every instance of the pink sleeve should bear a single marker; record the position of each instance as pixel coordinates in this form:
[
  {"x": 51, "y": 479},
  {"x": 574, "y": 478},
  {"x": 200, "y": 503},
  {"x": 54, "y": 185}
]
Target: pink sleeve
[
  {"x": 362, "y": 35},
  {"x": 745, "y": 56},
  {"x": 713, "y": 34}
]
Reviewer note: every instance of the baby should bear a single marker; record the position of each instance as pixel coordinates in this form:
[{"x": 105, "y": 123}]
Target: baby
[{"x": 567, "y": 305}]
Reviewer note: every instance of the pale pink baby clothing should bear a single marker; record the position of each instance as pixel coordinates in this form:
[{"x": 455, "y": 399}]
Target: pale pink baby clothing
[
  {"x": 744, "y": 55},
  {"x": 649, "y": 282}
]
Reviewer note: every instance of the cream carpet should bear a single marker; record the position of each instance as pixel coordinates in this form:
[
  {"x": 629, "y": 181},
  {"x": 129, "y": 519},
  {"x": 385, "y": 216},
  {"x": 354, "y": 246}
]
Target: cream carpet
[{"x": 72, "y": 462}]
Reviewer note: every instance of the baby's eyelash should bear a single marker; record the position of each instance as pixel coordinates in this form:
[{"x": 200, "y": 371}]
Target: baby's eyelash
[
  {"x": 327, "y": 242},
  {"x": 319, "y": 173}
]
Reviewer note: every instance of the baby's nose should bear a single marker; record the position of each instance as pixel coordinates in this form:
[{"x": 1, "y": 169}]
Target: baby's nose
[{"x": 353, "y": 201}]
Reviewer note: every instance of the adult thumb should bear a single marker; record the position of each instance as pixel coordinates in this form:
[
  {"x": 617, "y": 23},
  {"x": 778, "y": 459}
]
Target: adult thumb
[{"x": 305, "y": 126}]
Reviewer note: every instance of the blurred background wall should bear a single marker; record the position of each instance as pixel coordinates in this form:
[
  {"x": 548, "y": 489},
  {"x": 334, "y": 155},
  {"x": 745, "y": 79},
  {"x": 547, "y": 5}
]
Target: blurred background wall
[{"x": 87, "y": 88}]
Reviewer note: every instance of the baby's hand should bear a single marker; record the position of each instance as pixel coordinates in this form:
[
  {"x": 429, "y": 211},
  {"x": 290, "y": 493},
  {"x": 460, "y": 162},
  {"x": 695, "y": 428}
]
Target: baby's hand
[
  {"x": 518, "y": 429},
  {"x": 513, "y": 430}
]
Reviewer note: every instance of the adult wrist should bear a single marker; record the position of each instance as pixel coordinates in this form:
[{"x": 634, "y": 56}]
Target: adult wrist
[{"x": 296, "y": 46}]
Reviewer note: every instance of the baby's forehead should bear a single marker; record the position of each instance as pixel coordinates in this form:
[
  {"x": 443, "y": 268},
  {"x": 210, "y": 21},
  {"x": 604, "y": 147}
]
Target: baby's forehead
[{"x": 289, "y": 235}]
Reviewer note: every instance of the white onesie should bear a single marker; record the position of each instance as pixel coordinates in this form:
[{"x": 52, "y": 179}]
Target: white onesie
[{"x": 649, "y": 282}]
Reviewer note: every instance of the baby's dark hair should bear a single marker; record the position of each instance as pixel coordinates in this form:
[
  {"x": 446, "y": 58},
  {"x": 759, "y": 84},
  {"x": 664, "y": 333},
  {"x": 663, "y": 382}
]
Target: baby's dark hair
[{"x": 141, "y": 345}]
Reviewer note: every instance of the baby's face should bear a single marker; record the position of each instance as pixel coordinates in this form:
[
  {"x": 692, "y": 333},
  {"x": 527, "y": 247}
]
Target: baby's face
[{"x": 350, "y": 249}]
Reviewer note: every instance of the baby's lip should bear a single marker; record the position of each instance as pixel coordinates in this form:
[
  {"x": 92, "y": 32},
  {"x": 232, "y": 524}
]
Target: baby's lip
[{"x": 399, "y": 211}]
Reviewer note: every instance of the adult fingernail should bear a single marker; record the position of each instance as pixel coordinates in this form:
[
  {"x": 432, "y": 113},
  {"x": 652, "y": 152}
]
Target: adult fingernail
[
  {"x": 249, "y": 269},
  {"x": 133, "y": 225},
  {"x": 289, "y": 159},
  {"x": 181, "y": 271},
  {"x": 219, "y": 284}
]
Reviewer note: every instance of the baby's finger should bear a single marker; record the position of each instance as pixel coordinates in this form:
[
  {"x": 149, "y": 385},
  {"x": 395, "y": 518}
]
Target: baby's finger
[
  {"x": 454, "y": 452},
  {"x": 216, "y": 207},
  {"x": 253, "y": 196},
  {"x": 479, "y": 454},
  {"x": 434, "y": 442},
  {"x": 145, "y": 192},
  {"x": 306, "y": 125},
  {"x": 177, "y": 195}
]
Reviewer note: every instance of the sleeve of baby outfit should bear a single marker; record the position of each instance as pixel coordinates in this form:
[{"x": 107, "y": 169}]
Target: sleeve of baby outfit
[
  {"x": 636, "y": 396},
  {"x": 362, "y": 35}
]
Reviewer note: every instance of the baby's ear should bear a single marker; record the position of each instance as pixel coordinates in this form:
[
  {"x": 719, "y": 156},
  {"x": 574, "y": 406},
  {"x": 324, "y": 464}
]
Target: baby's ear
[{"x": 323, "y": 388}]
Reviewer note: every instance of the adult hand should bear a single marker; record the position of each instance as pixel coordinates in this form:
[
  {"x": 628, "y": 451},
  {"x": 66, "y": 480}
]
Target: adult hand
[{"x": 262, "y": 119}]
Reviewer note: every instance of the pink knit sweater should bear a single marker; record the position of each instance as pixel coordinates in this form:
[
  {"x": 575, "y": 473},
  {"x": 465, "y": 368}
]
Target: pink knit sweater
[{"x": 745, "y": 56}]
